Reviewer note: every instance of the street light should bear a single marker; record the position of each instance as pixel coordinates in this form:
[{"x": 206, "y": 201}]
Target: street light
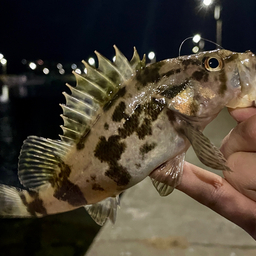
[
  {"x": 217, "y": 11},
  {"x": 207, "y": 2},
  {"x": 32, "y": 65},
  {"x": 91, "y": 61},
  {"x": 196, "y": 38},
  {"x": 152, "y": 57}
]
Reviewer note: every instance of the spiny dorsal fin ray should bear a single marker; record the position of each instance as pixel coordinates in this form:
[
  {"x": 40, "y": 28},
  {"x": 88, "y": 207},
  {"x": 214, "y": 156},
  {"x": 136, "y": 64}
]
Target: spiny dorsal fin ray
[
  {"x": 82, "y": 96},
  {"x": 84, "y": 84},
  {"x": 93, "y": 91},
  {"x": 39, "y": 160},
  {"x": 135, "y": 59},
  {"x": 107, "y": 67},
  {"x": 72, "y": 124},
  {"x": 100, "y": 78},
  {"x": 123, "y": 64}
]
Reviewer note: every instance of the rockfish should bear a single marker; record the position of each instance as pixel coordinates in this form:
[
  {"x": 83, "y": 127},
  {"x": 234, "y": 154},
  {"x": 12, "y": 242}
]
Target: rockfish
[{"x": 123, "y": 121}]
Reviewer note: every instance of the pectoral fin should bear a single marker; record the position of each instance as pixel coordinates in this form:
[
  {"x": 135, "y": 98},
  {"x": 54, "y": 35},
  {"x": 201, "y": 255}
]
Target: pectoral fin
[
  {"x": 207, "y": 153},
  {"x": 167, "y": 176},
  {"x": 103, "y": 210}
]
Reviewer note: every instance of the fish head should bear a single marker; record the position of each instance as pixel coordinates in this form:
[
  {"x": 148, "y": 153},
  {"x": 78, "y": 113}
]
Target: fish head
[{"x": 202, "y": 84}]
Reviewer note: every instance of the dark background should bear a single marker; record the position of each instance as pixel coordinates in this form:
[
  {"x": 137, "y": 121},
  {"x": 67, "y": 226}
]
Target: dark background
[
  {"x": 72, "y": 30},
  {"x": 69, "y": 31}
]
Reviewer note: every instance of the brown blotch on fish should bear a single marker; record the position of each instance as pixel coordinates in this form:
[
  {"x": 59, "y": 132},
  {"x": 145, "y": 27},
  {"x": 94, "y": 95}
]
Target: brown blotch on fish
[
  {"x": 110, "y": 151},
  {"x": 119, "y": 112},
  {"x": 93, "y": 177},
  {"x": 64, "y": 189},
  {"x": 133, "y": 124},
  {"x": 154, "y": 108},
  {"x": 70, "y": 193},
  {"x": 223, "y": 80},
  {"x": 106, "y": 126},
  {"x": 117, "y": 96},
  {"x": 81, "y": 142},
  {"x": 96, "y": 186},
  {"x": 171, "y": 72},
  {"x": 147, "y": 147},
  {"x": 36, "y": 205},
  {"x": 193, "y": 108},
  {"x": 173, "y": 91},
  {"x": 149, "y": 75},
  {"x": 145, "y": 129},
  {"x": 138, "y": 166},
  {"x": 201, "y": 75},
  {"x": 119, "y": 174},
  {"x": 171, "y": 115},
  {"x": 188, "y": 62}
]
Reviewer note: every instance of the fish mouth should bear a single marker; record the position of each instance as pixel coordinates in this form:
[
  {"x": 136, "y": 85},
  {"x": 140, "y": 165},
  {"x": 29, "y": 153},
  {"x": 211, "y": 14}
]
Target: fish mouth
[{"x": 247, "y": 79}]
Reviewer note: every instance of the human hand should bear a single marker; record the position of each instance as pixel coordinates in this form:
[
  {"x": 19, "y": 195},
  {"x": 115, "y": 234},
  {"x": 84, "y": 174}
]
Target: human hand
[{"x": 233, "y": 197}]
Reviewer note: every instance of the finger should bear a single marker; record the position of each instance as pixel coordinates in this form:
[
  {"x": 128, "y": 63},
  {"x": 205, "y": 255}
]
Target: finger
[
  {"x": 243, "y": 175},
  {"x": 241, "y": 138},
  {"x": 216, "y": 193},
  {"x": 241, "y": 114}
]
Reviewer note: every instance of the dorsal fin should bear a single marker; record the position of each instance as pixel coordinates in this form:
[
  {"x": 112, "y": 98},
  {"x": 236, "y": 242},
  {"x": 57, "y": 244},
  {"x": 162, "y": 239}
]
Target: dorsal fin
[
  {"x": 93, "y": 91},
  {"x": 42, "y": 159}
]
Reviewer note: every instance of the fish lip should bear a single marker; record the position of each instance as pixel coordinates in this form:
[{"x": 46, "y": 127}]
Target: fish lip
[{"x": 246, "y": 96}]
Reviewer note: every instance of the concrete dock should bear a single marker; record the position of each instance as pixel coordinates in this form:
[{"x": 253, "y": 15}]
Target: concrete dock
[{"x": 148, "y": 224}]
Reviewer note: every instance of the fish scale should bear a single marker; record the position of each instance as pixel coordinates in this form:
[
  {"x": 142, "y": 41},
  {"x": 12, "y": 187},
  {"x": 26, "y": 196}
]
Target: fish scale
[{"x": 123, "y": 122}]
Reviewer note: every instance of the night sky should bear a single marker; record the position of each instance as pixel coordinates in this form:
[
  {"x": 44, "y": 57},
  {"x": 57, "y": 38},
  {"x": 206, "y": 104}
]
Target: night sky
[{"x": 72, "y": 30}]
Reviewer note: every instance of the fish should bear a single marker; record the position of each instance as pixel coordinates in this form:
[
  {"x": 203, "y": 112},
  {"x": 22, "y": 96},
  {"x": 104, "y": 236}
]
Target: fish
[{"x": 125, "y": 121}]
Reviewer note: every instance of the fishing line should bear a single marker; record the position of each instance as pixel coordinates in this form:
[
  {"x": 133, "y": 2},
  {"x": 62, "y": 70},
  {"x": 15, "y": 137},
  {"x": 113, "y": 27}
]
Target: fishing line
[{"x": 207, "y": 40}]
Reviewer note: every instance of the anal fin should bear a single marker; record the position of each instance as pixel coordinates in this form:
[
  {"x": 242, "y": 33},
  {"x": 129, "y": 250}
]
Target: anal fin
[
  {"x": 167, "y": 176},
  {"x": 104, "y": 210}
]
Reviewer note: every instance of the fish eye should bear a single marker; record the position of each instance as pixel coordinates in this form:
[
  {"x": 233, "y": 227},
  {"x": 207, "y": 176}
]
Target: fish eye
[{"x": 213, "y": 63}]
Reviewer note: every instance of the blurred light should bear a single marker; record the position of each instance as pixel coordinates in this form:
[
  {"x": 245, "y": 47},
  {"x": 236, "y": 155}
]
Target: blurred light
[
  {"x": 3, "y": 61},
  {"x": 5, "y": 94},
  {"x": 46, "y": 71},
  {"x": 85, "y": 70},
  {"x": 207, "y": 2},
  {"x": 32, "y": 65},
  {"x": 91, "y": 61},
  {"x": 151, "y": 55},
  {"x": 73, "y": 66},
  {"x": 201, "y": 44},
  {"x": 40, "y": 62},
  {"x": 217, "y": 10},
  {"x": 78, "y": 71},
  {"x": 114, "y": 58},
  {"x": 59, "y": 66},
  {"x": 62, "y": 71},
  {"x": 196, "y": 38},
  {"x": 24, "y": 61},
  {"x": 1, "y": 56},
  {"x": 195, "y": 49}
]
